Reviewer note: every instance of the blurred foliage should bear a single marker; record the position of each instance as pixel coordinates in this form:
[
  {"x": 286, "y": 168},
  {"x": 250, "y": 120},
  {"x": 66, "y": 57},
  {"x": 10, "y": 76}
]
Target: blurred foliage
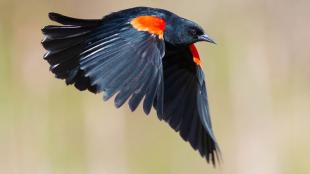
[{"x": 258, "y": 84}]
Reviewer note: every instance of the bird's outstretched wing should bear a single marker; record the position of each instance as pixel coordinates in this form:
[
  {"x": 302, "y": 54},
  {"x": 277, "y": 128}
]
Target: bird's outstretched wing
[
  {"x": 118, "y": 55},
  {"x": 125, "y": 56},
  {"x": 185, "y": 100}
]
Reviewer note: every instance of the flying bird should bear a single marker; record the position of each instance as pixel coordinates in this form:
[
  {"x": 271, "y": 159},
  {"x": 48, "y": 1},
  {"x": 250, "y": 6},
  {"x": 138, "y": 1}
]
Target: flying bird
[{"x": 139, "y": 55}]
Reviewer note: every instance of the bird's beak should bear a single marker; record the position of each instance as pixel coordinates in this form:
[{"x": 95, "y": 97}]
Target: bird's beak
[{"x": 206, "y": 38}]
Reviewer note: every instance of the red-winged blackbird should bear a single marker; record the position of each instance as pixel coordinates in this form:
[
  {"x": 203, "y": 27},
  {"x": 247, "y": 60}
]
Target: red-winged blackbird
[{"x": 138, "y": 54}]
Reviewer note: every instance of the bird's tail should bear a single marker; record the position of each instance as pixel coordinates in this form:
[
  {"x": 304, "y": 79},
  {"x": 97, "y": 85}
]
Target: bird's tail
[{"x": 64, "y": 46}]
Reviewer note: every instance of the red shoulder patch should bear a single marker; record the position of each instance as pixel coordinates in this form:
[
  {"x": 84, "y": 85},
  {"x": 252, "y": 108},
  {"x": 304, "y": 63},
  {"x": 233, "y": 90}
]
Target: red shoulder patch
[
  {"x": 151, "y": 24},
  {"x": 196, "y": 57}
]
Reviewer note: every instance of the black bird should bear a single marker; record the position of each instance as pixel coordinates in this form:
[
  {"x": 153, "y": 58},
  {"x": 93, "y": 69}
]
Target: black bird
[{"x": 138, "y": 54}]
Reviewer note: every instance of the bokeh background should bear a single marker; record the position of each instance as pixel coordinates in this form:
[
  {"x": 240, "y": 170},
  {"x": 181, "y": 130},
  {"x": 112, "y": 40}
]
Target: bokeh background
[{"x": 258, "y": 84}]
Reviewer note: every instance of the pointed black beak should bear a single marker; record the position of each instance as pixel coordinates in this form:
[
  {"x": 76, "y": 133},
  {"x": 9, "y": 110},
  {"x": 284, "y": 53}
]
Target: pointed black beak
[{"x": 206, "y": 38}]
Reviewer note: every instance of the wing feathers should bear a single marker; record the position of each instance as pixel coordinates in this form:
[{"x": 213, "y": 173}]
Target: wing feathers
[
  {"x": 65, "y": 20},
  {"x": 137, "y": 96},
  {"x": 106, "y": 55},
  {"x": 61, "y": 32},
  {"x": 185, "y": 101},
  {"x": 151, "y": 92}
]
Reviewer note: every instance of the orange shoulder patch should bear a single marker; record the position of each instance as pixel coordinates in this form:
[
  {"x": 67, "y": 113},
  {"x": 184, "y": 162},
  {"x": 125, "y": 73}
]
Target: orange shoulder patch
[
  {"x": 196, "y": 57},
  {"x": 151, "y": 24}
]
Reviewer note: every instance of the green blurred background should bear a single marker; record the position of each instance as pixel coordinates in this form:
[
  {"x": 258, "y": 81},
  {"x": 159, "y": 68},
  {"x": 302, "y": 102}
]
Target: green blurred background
[{"x": 258, "y": 84}]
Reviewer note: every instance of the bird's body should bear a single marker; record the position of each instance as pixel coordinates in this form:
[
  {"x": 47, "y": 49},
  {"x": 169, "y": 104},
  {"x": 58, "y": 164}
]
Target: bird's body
[{"x": 138, "y": 54}]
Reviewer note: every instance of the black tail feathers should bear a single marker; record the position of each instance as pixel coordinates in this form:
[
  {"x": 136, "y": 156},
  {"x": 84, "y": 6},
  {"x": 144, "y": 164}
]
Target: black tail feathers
[{"x": 64, "y": 44}]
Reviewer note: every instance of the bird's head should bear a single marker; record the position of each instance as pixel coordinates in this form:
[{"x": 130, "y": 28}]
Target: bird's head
[{"x": 184, "y": 32}]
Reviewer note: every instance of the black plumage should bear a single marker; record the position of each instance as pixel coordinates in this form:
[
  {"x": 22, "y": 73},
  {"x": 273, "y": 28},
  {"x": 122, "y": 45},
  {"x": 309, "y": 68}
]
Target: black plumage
[{"x": 139, "y": 55}]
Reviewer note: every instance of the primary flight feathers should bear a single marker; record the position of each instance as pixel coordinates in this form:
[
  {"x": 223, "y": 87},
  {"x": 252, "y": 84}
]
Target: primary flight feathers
[{"x": 141, "y": 55}]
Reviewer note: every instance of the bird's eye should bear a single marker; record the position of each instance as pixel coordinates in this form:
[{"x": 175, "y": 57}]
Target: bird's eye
[{"x": 193, "y": 32}]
